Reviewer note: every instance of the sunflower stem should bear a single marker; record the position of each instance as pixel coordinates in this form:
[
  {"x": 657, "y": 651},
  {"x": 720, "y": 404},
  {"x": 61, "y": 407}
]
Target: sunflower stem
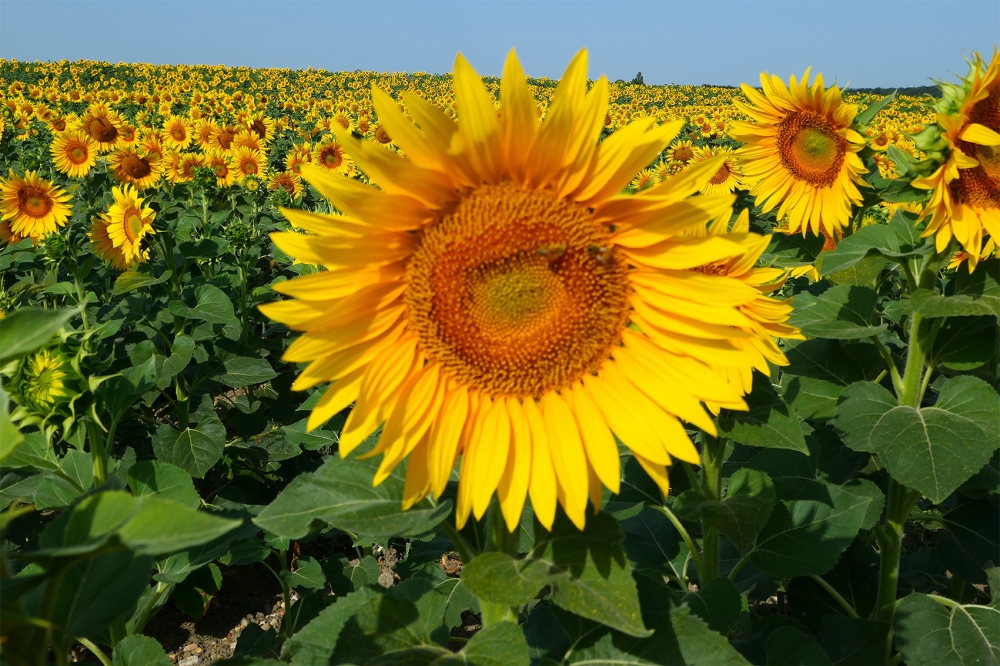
[
  {"x": 712, "y": 453},
  {"x": 499, "y": 539}
]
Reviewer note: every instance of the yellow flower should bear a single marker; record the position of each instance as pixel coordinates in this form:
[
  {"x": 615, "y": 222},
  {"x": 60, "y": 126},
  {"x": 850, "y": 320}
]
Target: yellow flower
[
  {"x": 222, "y": 164},
  {"x": 331, "y": 155},
  {"x": 289, "y": 181},
  {"x": 32, "y": 205},
  {"x": 117, "y": 234},
  {"x": 102, "y": 124},
  {"x": 177, "y": 133},
  {"x": 801, "y": 152},
  {"x": 728, "y": 178},
  {"x": 247, "y": 162},
  {"x": 135, "y": 167},
  {"x": 965, "y": 198},
  {"x": 480, "y": 302},
  {"x": 41, "y": 380},
  {"x": 74, "y": 153}
]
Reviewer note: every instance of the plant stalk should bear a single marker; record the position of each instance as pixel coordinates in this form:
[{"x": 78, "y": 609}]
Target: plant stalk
[{"x": 711, "y": 486}]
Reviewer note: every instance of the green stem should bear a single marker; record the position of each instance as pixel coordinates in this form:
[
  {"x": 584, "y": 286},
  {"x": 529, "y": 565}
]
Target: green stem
[
  {"x": 956, "y": 588},
  {"x": 147, "y": 610},
  {"x": 711, "y": 480},
  {"x": 898, "y": 505},
  {"x": 675, "y": 521},
  {"x": 841, "y": 601},
  {"x": 499, "y": 539},
  {"x": 98, "y": 453},
  {"x": 97, "y": 652},
  {"x": 897, "y": 381}
]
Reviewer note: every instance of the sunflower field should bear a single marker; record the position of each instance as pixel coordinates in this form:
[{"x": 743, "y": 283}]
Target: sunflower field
[{"x": 467, "y": 370}]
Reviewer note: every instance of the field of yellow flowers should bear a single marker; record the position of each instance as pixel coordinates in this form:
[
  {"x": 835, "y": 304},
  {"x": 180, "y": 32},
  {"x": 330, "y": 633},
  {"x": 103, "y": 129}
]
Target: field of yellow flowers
[{"x": 459, "y": 369}]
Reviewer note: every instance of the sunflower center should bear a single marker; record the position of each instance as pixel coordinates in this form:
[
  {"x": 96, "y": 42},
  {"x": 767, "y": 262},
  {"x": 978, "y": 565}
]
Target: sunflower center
[
  {"x": 331, "y": 157},
  {"x": 249, "y": 166},
  {"x": 382, "y": 136},
  {"x": 102, "y": 130},
  {"x": 77, "y": 155},
  {"x": 259, "y": 128},
  {"x": 980, "y": 186},
  {"x": 722, "y": 175},
  {"x": 135, "y": 167},
  {"x": 225, "y": 138},
  {"x": 810, "y": 148},
  {"x": 133, "y": 226},
  {"x": 683, "y": 153},
  {"x": 514, "y": 292},
  {"x": 34, "y": 201},
  {"x": 178, "y": 133}
]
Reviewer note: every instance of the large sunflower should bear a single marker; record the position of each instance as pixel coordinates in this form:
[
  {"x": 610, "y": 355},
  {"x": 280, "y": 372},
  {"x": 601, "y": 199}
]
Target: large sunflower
[
  {"x": 117, "y": 234},
  {"x": 248, "y": 162},
  {"x": 136, "y": 167},
  {"x": 801, "y": 152},
  {"x": 102, "y": 124},
  {"x": 74, "y": 153},
  {"x": 482, "y": 303},
  {"x": 965, "y": 200},
  {"x": 331, "y": 155},
  {"x": 32, "y": 205},
  {"x": 728, "y": 177},
  {"x": 178, "y": 133}
]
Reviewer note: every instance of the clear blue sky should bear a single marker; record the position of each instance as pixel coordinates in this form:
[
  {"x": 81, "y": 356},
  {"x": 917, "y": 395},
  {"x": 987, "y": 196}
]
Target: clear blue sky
[{"x": 861, "y": 43}]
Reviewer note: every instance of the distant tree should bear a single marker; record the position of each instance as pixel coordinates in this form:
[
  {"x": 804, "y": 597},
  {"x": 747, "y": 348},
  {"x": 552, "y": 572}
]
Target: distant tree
[{"x": 638, "y": 79}]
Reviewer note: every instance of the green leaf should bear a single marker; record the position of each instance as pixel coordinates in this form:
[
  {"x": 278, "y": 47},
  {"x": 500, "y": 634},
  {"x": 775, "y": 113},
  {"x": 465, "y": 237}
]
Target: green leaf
[
  {"x": 930, "y": 632},
  {"x": 820, "y": 369},
  {"x": 86, "y": 526},
  {"x": 971, "y": 539},
  {"x": 195, "y": 592},
  {"x": 10, "y": 436},
  {"x": 308, "y": 575},
  {"x": 205, "y": 248},
  {"x": 980, "y": 288},
  {"x": 76, "y": 477},
  {"x": 35, "y": 453},
  {"x": 854, "y": 577},
  {"x": 589, "y": 573},
  {"x": 769, "y": 423},
  {"x": 931, "y": 449},
  {"x": 651, "y": 541},
  {"x": 26, "y": 329},
  {"x": 194, "y": 450},
  {"x": 161, "y": 526},
  {"x": 789, "y": 646},
  {"x": 254, "y": 641},
  {"x": 139, "y": 651},
  {"x": 745, "y": 510},
  {"x": 166, "y": 481},
  {"x": 895, "y": 240},
  {"x": 212, "y": 305},
  {"x": 181, "y": 351},
  {"x": 340, "y": 494},
  {"x": 242, "y": 371},
  {"x": 932, "y": 304},
  {"x": 137, "y": 278},
  {"x": 499, "y": 578},
  {"x": 866, "y": 116},
  {"x": 314, "y": 643},
  {"x": 843, "y": 312},
  {"x": 500, "y": 644},
  {"x": 806, "y": 536},
  {"x": 851, "y": 641},
  {"x": 717, "y": 603},
  {"x": 965, "y": 343},
  {"x": 96, "y": 591},
  {"x": 701, "y": 646},
  {"x": 861, "y": 274}
]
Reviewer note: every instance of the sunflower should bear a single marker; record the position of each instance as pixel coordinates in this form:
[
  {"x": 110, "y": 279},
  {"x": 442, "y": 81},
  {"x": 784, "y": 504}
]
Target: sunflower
[
  {"x": 8, "y": 237},
  {"x": 222, "y": 138},
  {"x": 247, "y": 139},
  {"x": 74, "y": 153},
  {"x": 247, "y": 162},
  {"x": 117, "y": 234},
  {"x": 483, "y": 302},
  {"x": 152, "y": 143},
  {"x": 203, "y": 133},
  {"x": 965, "y": 198},
  {"x": 41, "y": 380},
  {"x": 187, "y": 165},
  {"x": 801, "y": 152},
  {"x": 682, "y": 152},
  {"x": 102, "y": 124},
  {"x": 177, "y": 133},
  {"x": 643, "y": 179},
  {"x": 289, "y": 181},
  {"x": 342, "y": 121},
  {"x": 261, "y": 126},
  {"x": 131, "y": 165},
  {"x": 381, "y": 136},
  {"x": 221, "y": 162},
  {"x": 728, "y": 178},
  {"x": 32, "y": 205},
  {"x": 331, "y": 155}
]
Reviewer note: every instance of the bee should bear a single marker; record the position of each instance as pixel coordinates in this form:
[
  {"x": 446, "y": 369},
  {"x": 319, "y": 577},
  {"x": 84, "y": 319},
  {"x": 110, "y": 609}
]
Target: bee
[
  {"x": 601, "y": 254},
  {"x": 553, "y": 253}
]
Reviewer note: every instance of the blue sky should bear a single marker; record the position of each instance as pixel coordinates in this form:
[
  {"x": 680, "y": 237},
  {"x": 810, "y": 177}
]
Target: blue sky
[{"x": 860, "y": 43}]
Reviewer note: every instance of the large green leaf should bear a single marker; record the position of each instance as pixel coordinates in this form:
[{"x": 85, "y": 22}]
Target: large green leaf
[
  {"x": 314, "y": 643},
  {"x": 138, "y": 277},
  {"x": 769, "y": 423},
  {"x": 76, "y": 477},
  {"x": 589, "y": 573},
  {"x": 975, "y": 294},
  {"x": 243, "y": 371},
  {"x": 340, "y": 494},
  {"x": 930, "y": 633},
  {"x": 701, "y": 646},
  {"x": 931, "y": 449},
  {"x": 741, "y": 515},
  {"x": 26, "y": 329},
  {"x": 717, "y": 603},
  {"x": 965, "y": 343},
  {"x": 789, "y": 646},
  {"x": 160, "y": 526},
  {"x": 843, "y": 312},
  {"x": 854, "y": 577},
  {"x": 194, "y": 450},
  {"x": 499, "y": 578},
  {"x": 852, "y": 641},
  {"x": 35, "y": 453},
  {"x": 10, "y": 437},
  {"x": 212, "y": 305},
  {"x": 806, "y": 536},
  {"x": 152, "y": 477},
  {"x": 500, "y": 644},
  {"x": 971, "y": 539},
  {"x": 139, "y": 651},
  {"x": 651, "y": 541},
  {"x": 819, "y": 370},
  {"x": 894, "y": 241}
]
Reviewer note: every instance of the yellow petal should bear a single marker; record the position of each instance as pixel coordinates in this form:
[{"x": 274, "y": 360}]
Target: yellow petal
[{"x": 542, "y": 486}]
